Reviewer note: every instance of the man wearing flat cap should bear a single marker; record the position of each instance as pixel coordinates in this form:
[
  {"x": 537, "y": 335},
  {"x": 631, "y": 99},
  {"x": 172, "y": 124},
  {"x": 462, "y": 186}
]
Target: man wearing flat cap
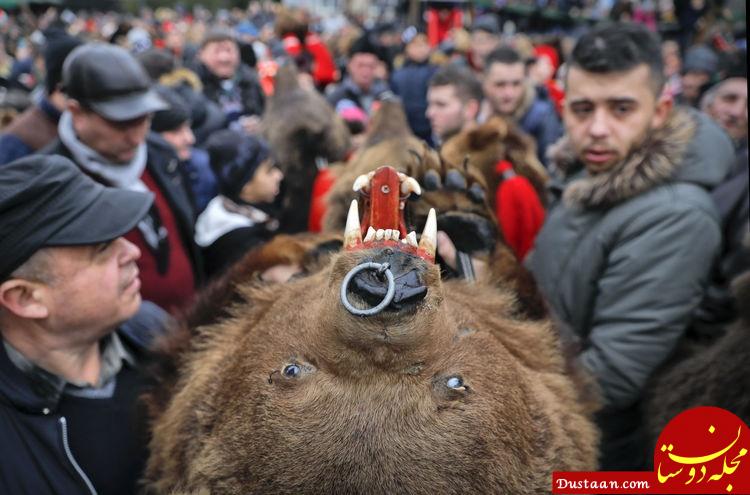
[
  {"x": 105, "y": 131},
  {"x": 73, "y": 331}
]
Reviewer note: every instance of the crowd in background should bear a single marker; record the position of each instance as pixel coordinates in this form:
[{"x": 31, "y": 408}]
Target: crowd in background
[{"x": 264, "y": 39}]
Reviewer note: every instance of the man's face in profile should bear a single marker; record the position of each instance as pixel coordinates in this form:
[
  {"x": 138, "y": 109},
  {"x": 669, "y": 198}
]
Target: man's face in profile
[{"x": 93, "y": 288}]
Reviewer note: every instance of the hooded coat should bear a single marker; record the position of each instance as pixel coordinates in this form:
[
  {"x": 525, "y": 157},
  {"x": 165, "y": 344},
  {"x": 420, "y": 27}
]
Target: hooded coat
[{"x": 624, "y": 259}]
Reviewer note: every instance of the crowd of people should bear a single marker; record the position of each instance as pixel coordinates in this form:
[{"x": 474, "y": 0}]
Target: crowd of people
[{"x": 133, "y": 166}]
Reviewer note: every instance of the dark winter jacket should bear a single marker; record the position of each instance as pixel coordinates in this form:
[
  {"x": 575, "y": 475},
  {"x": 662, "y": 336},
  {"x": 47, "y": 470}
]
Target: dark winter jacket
[
  {"x": 624, "y": 260},
  {"x": 538, "y": 118},
  {"x": 200, "y": 178},
  {"x": 732, "y": 198},
  {"x": 244, "y": 98},
  {"x": 38, "y": 448},
  {"x": 410, "y": 83},
  {"x": 31, "y": 131},
  {"x": 347, "y": 93}
]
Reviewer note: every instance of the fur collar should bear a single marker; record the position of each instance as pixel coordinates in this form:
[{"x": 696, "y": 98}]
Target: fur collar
[
  {"x": 529, "y": 95},
  {"x": 652, "y": 164},
  {"x": 182, "y": 75}
]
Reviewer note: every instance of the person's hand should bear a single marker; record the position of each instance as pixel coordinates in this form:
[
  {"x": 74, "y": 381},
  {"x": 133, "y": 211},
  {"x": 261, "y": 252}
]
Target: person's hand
[
  {"x": 447, "y": 250},
  {"x": 250, "y": 124},
  {"x": 280, "y": 273}
]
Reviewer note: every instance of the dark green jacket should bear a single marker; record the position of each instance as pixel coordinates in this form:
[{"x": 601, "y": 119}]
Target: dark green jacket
[{"x": 624, "y": 258}]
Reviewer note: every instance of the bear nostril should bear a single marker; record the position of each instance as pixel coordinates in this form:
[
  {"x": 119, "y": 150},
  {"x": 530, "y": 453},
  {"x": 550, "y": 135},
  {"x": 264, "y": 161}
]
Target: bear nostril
[
  {"x": 409, "y": 289},
  {"x": 372, "y": 288}
]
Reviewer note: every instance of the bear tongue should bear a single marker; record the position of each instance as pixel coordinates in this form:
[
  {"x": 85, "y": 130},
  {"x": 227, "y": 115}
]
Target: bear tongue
[{"x": 385, "y": 192}]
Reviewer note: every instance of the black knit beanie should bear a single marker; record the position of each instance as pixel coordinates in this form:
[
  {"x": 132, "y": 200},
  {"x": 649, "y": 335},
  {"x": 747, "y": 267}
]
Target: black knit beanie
[
  {"x": 175, "y": 115},
  {"x": 157, "y": 62},
  {"x": 58, "y": 46},
  {"x": 364, "y": 44},
  {"x": 235, "y": 157}
]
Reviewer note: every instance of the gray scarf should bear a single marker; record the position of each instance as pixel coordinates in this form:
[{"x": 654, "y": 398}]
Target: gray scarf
[{"x": 120, "y": 175}]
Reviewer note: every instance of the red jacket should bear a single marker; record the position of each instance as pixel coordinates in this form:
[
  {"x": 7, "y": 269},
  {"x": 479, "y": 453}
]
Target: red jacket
[{"x": 324, "y": 68}]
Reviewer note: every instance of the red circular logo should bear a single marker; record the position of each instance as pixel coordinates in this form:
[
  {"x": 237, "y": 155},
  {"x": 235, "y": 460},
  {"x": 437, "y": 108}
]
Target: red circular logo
[{"x": 704, "y": 450}]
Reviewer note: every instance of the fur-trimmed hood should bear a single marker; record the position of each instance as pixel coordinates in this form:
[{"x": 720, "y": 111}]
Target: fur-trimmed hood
[
  {"x": 688, "y": 148},
  {"x": 182, "y": 75},
  {"x": 529, "y": 96}
]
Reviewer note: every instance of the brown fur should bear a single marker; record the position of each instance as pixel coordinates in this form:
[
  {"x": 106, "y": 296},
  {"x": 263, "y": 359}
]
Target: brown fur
[
  {"x": 180, "y": 76},
  {"x": 714, "y": 376},
  {"x": 301, "y": 126},
  {"x": 389, "y": 142},
  {"x": 507, "y": 272},
  {"x": 371, "y": 412},
  {"x": 291, "y": 20},
  {"x": 389, "y": 122},
  {"x": 407, "y": 155},
  {"x": 308, "y": 251},
  {"x": 651, "y": 164},
  {"x": 495, "y": 140}
]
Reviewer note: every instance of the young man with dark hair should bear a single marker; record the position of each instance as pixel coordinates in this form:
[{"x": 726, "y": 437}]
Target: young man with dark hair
[
  {"x": 624, "y": 256},
  {"x": 454, "y": 96},
  {"x": 511, "y": 94}
]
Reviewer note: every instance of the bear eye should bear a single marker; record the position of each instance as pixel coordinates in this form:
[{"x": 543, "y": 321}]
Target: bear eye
[
  {"x": 292, "y": 370},
  {"x": 455, "y": 382}
]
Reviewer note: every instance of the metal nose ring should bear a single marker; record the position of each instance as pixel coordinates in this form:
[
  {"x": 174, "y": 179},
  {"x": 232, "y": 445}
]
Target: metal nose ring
[{"x": 380, "y": 268}]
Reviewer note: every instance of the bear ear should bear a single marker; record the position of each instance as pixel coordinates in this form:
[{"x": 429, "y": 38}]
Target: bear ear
[
  {"x": 483, "y": 136},
  {"x": 502, "y": 125},
  {"x": 286, "y": 81}
]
